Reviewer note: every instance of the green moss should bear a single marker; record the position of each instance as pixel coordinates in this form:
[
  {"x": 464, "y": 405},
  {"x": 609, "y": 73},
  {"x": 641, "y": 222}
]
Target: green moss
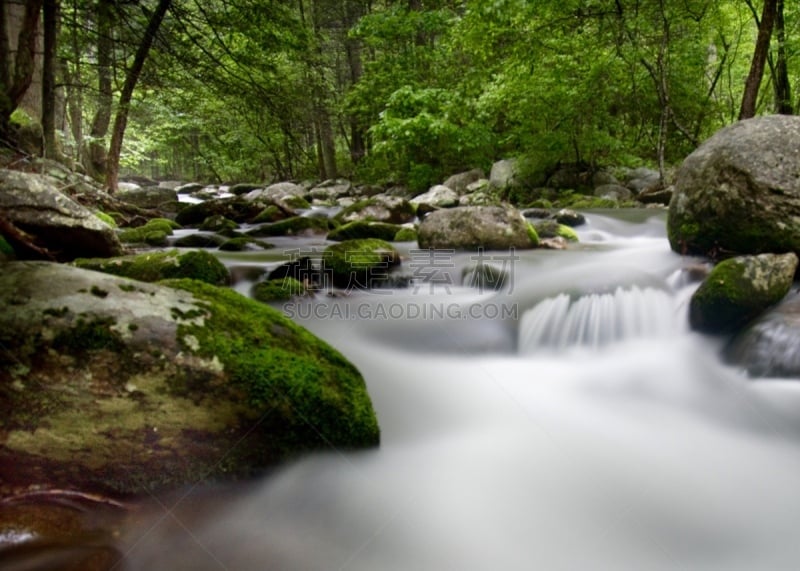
[
  {"x": 155, "y": 266},
  {"x": 5, "y": 248},
  {"x": 270, "y": 214},
  {"x": 567, "y": 233},
  {"x": 278, "y": 290},
  {"x": 735, "y": 292},
  {"x": 316, "y": 398},
  {"x": 405, "y": 234},
  {"x": 361, "y": 229},
  {"x": 155, "y": 232},
  {"x": 296, "y": 202},
  {"x": 218, "y": 223},
  {"x": 89, "y": 335},
  {"x": 533, "y": 235},
  {"x": 106, "y": 218}
]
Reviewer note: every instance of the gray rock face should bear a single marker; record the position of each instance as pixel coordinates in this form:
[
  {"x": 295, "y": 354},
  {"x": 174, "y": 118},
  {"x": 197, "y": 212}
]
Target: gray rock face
[
  {"x": 34, "y": 204},
  {"x": 739, "y": 192},
  {"x": 379, "y": 208},
  {"x": 116, "y": 385},
  {"x": 739, "y": 289},
  {"x": 472, "y": 227}
]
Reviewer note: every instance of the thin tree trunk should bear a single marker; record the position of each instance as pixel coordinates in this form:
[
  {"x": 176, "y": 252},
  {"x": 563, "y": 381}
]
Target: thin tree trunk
[
  {"x": 783, "y": 91},
  {"x": 95, "y": 159},
  {"x": 750, "y": 97},
  {"x": 131, "y": 78},
  {"x": 50, "y": 12}
]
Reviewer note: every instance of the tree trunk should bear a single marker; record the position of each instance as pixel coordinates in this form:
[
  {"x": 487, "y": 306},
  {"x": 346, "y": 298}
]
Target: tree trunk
[
  {"x": 131, "y": 78},
  {"x": 783, "y": 92},
  {"x": 17, "y": 78},
  {"x": 50, "y": 12},
  {"x": 353, "y": 50},
  {"x": 750, "y": 97},
  {"x": 95, "y": 157}
]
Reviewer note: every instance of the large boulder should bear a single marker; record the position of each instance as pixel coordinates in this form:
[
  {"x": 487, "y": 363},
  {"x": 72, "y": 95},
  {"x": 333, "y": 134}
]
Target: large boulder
[
  {"x": 739, "y": 289},
  {"x": 33, "y": 203},
  {"x": 121, "y": 386},
  {"x": 473, "y": 227},
  {"x": 739, "y": 192}
]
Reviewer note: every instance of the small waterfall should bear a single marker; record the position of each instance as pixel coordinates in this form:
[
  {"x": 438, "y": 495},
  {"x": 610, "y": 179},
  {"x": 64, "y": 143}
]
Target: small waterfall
[{"x": 597, "y": 319}]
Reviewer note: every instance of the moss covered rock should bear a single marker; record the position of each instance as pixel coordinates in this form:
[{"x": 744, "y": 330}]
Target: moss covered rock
[
  {"x": 548, "y": 228},
  {"x": 218, "y": 223},
  {"x": 120, "y": 386},
  {"x": 153, "y": 233},
  {"x": 359, "y": 263},
  {"x": 363, "y": 229},
  {"x": 405, "y": 234},
  {"x": 739, "y": 289},
  {"x": 156, "y": 266},
  {"x": 278, "y": 290}
]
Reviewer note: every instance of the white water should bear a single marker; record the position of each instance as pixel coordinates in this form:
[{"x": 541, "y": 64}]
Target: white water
[{"x": 624, "y": 448}]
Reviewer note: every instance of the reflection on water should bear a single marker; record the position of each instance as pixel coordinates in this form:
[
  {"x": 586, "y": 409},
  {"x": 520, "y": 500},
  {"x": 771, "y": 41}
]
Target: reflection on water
[{"x": 642, "y": 453}]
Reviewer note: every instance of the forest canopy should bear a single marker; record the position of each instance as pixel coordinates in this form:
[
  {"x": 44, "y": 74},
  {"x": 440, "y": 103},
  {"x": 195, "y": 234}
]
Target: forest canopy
[{"x": 404, "y": 91}]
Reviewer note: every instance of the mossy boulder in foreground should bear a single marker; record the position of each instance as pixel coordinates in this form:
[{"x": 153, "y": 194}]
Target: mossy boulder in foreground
[
  {"x": 739, "y": 289},
  {"x": 120, "y": 386}
]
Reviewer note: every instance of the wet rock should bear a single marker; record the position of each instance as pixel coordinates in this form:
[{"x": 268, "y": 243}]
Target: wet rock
[{"x": 363, "y": 229}]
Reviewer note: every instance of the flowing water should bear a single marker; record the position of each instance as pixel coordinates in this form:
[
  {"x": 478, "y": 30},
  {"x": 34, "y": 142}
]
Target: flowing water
[{"x": 569, "y": 421}]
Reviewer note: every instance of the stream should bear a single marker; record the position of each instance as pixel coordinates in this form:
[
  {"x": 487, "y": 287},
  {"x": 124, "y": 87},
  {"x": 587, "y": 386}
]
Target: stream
[{"x": 568, "y": 421}]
